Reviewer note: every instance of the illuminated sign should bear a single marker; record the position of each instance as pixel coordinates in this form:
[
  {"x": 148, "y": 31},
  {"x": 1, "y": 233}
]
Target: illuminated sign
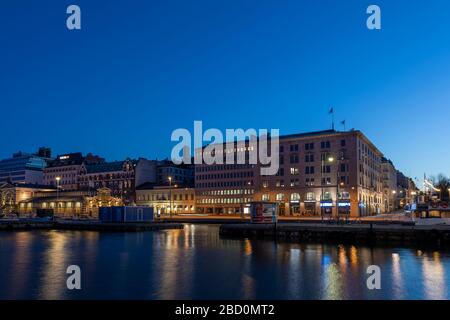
[
  {"x": 344, "y": 204},
  {"x": 326, "y": 204}
]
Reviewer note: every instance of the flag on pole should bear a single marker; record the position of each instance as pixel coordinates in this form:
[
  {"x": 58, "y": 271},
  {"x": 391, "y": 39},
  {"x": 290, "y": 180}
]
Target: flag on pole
[
  {"x": 343, "y": 123},
  {"x": 332, "y": 117}
]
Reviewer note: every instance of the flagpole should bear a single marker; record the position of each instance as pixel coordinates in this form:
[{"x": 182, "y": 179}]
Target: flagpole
[{"x": 332, "y": 118}]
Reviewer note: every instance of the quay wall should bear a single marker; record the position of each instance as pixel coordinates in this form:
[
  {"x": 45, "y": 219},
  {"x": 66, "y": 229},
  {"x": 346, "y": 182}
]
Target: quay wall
[{"x": 367, "y": 233}]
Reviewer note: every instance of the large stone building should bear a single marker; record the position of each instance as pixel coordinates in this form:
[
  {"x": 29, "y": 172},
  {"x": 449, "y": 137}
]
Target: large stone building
[
  {"x": 389, "y": 185},
  {"x": 320, "y": 173},
  {"x": 13, "y": 194},
  {"x": 69, "y": 204},
  {"x": 121, "y": 177},
  {"x": 179, "y": 174},
  {"x": 406, "y": 190},
  {"x": 176, "y": 199},
  {"x": 27, "y": 199},
  {"x": 64, "y": 171},
  {"x": 25, "y": 167}
]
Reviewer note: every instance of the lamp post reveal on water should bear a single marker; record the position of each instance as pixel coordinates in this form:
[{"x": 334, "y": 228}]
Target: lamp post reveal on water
[{"x": 170, "y": 197}]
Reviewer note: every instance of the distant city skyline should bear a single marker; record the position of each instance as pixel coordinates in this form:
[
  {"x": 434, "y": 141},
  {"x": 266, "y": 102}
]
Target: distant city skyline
[{"x": 139, "y": 70}]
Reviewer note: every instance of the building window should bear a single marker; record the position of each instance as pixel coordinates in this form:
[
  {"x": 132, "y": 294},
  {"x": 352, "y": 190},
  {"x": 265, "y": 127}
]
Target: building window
[
  {"x": 295, "y": 197},
  {"x": 280, "y": 197},
  {"x": 326, "y": 169},
  {"x": 294, "y": 158},
  {"x": 326, "y": 196},
  {"x": 342, "y": 143},
  {"x": 310, "y": 196},
  {"x": 309, "y": 170},
  {"x": 344, "y": 195},
  {"x": 309, "y": 146},
  {"x": 293, "y": 147},
  {"x": 309, "y": 158},
  {"x": 325, "y": 145},
  {"x": 280, "y": 183},
  {"x": 295, "y": 171},
  {"x": 265, "y": 197},
  {"x": 343, "y": 180}
]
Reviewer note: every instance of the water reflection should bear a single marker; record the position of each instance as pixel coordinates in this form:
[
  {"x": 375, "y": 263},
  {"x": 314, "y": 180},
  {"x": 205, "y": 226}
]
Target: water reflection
[
  {"x": 195, "y": 263},
  {"x": 20, "y": 261},
  {"x": 435, "y": 283},
  {"x": 397, "y": 278},
  {"x": 54, "y": 266}
]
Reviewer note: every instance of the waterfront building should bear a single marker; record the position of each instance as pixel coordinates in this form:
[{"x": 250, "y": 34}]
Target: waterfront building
[
  {"x": 325, "y": 172},
  {"x": 182, "y": 174},
  {"x": 25, "y": 167},
  {"x": 166, "y": 199},
  {"x": 389, "y": 176},
  {"x": 68, "y": 203},
  {"x": 146, "y": 171},
  {"x": 63, "y": 172},
  {"x": 224, "y": 188},
  {"x": 119, "y": 176},
  {"x": 12, "y": 194},
  {"x": 406, "y": 190}
]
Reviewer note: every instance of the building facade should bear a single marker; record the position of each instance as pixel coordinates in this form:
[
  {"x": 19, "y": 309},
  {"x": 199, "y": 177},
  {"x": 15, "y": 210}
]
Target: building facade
[
  {"x": 389, "y": 185},
  {"x": 68, "y": 204},
  {"x": 167, "y": 199},
  {"x": 118, "y": 176},
  {"x": 64, "y": 171},
  {"x": 11, "y": 195},
  {"x": 25, "y": 167},
  {"x": 406, "y": 190},
  {"x": 179, "y": 174},
  {"x": 326, "y": 172}
]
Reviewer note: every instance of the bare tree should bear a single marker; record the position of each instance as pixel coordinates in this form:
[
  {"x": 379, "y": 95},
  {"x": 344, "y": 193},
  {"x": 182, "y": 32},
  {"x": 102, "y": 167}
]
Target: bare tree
[{"x": 442, "y": 183}]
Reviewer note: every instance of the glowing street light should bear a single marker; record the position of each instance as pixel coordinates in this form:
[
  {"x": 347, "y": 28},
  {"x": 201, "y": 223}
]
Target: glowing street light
[{"x": 57, "y": 192}]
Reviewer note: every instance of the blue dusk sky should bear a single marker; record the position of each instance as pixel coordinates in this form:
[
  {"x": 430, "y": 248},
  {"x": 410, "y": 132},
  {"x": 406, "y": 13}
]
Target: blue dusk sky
[{"x": 137, "y": 70}]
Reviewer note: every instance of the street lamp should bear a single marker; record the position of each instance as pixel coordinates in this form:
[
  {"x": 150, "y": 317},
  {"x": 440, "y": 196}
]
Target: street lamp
[
  {"x": 329, "y": 159},
  {"x": 57, "y": 193}
]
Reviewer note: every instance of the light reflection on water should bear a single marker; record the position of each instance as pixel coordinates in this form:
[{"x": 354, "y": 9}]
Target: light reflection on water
[{"x": 195, "y": 263}]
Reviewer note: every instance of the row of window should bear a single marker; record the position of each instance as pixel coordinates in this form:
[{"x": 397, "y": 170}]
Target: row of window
[
  {"x": 311, "y": 170},
  {"x": 227, "y": 175},
  {"x": 162, "y": 197},
  {"x": 227, "y": 192},
  {"x": 311, "y": 145},
  {"x": 310, "y": 196},
  {"x": 309, "y": 182},
  {"x": 224, "y": 184},
  {"x": 222, "y": 167},
  {"x": 224, "y": 200}
]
